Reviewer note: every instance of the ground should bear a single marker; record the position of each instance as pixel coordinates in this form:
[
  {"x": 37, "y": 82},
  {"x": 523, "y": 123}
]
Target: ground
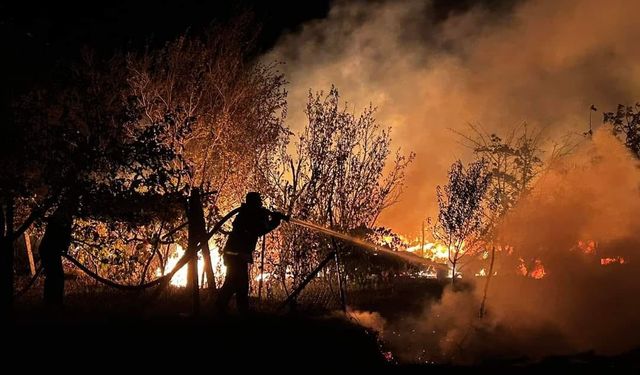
[
  {"x": 112, "y": 331},
  {"x": 260, "y": 342}
]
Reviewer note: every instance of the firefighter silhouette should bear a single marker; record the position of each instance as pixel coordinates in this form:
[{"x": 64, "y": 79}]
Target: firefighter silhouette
[
  {"x": 55, "y": 243},
  {"x": 252, "y": 221}
]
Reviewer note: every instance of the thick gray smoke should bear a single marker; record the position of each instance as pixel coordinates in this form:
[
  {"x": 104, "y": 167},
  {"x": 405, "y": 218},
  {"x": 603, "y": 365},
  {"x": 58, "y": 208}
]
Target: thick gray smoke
[{"x": 544, "y": 62}]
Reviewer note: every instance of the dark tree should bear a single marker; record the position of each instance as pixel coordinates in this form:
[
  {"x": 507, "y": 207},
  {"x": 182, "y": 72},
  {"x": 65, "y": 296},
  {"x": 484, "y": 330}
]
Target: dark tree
[
  {"x": 97, "y": 149},
  {"x": 513, "y": 161},
  {"x": 342, "y": 174},
  {"x": 626, "y": 125},
  {"x": 237, "y": 105},
  {"x": 461, "y": 219}
]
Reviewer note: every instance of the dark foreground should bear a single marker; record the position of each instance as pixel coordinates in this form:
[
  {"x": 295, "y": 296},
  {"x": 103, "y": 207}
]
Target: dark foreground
[
  {"x": 207, "y": 343},
  {"x": 267, "y": 342}
]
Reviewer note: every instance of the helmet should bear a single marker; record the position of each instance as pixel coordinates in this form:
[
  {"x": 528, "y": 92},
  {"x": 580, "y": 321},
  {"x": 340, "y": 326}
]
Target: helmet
[{"x": 253, "y": 199}]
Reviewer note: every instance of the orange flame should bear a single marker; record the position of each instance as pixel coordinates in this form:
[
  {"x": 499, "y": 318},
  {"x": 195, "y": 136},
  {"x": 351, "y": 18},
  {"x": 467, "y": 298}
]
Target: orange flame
[
  {"x": 588, "y": 246},
  {"x": 180, "y": 277},
  {"x": 536, "y": 272},
  {"x": 612, "y": 260}
]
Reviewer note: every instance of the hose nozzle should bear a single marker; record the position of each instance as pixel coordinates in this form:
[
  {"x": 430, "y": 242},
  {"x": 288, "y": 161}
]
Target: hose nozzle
[{"x": 281, "y": 216}]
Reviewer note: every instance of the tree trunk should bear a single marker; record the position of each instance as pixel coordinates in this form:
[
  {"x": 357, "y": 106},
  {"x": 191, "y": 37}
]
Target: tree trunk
[
  {"x": 208, "y": 266},
  {"x": 453, "y": 272},
  {"x": 192, "y": 269},
  {"x": 199, "y": 228},
  {"x": 6, "y": 257},
  {"x": 341, "y": 286},
  {"x": 486, "y": 284},
  {"x": 193, "y": 286},
  {"x": 192, "y": 280},
  {"x": 197, "y": 241},
  {"x": 27, "y": 245}
]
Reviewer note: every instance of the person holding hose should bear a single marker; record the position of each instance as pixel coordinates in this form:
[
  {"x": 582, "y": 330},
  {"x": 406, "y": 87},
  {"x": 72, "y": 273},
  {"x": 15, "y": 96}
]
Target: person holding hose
[{"x": 252, "y": 221}]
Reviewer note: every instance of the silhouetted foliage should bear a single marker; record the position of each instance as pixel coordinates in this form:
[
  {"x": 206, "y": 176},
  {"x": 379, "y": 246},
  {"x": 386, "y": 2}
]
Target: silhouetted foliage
[
  {"x": 626, "y": 125},
  {"x": 84, "y": 137},
  {"x": 132, "y": 134},
  {"x": 339, "y": 176},
  {"x": 513, "y": 162},
  {"x": 237, "y": 107},
  {"x": 461, "y": 202}
]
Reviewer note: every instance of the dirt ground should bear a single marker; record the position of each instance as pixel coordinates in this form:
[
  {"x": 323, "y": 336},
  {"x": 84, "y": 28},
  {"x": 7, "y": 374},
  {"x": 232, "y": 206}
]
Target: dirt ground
[{"x": 111, "y": 331}]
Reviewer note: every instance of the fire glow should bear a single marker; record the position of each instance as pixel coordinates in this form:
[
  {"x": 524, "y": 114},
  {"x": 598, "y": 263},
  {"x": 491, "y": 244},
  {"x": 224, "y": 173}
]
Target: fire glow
[
  {"x": 612, "y": 260},
  {"x": 180, "y": 277},
  {"x": 434, "y": 251},
  {"x": 590, "y": 247}
]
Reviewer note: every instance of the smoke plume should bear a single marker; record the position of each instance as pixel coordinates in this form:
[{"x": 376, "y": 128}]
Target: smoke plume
[
  {"x": 579, "y": 305},
  {"x": 544, "y": 62}
]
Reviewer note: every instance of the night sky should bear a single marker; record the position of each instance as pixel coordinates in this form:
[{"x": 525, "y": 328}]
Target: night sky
[{"x": 35, "y": 37}]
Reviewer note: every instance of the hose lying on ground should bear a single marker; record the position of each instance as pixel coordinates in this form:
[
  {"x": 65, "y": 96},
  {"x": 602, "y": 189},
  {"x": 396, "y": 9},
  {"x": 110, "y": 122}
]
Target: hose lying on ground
[
  {"x": 110, "y": 283},
  {"x": 29, "y": 284},
  {"x": 166, "y": 278}
]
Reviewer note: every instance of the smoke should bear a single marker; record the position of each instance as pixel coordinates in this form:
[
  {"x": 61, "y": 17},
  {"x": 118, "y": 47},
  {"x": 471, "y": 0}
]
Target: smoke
[
  {"x": 579, "y": 305},
  {"x": 593, "y": 195},
  {"x": 368, "y": 319},
  {"x": 544, "y": 62},
  {"x": 450, "y": 331}
]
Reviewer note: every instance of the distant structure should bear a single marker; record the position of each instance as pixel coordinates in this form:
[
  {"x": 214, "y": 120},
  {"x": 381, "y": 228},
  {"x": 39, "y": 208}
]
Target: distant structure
[{"x": 589, "y": 133}]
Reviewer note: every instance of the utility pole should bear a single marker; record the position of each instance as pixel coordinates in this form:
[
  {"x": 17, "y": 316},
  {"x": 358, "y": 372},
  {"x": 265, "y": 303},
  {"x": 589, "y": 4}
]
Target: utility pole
[{"x": 591, "y": 109}]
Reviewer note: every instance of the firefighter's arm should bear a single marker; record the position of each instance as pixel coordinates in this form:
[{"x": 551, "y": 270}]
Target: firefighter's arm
[{"x": 273, "y": 220}]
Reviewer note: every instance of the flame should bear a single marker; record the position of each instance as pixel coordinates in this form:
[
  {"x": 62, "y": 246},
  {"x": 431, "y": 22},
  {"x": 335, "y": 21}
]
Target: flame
[
  {"x": 522, "y": 269},
  {"x": 536, "y": 272},
  {"x": 180, "y": 277},
  {"x": 436, "y": 252},
  {"x": 588, "y": 246},
  {"x": 387, "y": 239},
  {"x": 263, "y": 276},
  {"x": 612, "y": 260}
]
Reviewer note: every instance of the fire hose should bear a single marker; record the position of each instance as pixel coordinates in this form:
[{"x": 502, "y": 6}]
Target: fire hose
[
  {"x": 217, "y": 228},
  {"x": 30, "y": 283},
  {"x": 361, "y": 243},
  {"x": 181, "y": 263}
]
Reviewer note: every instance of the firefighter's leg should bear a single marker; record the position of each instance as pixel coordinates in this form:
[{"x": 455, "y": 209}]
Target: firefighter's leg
[
  {"x": 54, "y": 278},
  {"x": 242, "y": 293},
  {"x": 229, "y": 286}
]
